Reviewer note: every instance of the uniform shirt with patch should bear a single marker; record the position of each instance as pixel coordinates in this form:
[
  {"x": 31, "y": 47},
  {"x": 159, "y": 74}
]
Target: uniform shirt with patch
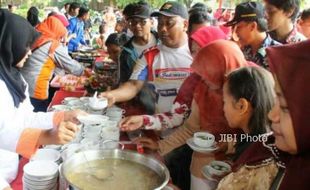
[{"x": 171, "y": 66}]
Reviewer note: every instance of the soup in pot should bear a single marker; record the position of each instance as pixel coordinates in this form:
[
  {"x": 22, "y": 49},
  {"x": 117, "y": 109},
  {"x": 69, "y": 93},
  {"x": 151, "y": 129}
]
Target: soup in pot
[{"x": 113, "y": 174}]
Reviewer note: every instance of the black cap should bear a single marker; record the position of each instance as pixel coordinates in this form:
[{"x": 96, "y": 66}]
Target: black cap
[
  {"x": 246, "y": 12},
  {"x": 140, "y": 10},
  {"x": 172, "y": 8}
]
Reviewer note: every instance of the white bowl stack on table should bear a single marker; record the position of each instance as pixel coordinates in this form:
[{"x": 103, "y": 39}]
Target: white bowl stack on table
[
  {"x": 115, "y": 113},
  {"x": 40, "y": 175}
]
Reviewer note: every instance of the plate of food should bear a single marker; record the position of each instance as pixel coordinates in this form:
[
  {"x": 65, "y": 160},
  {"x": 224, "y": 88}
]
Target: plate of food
[{"x": 69, "y": 82}]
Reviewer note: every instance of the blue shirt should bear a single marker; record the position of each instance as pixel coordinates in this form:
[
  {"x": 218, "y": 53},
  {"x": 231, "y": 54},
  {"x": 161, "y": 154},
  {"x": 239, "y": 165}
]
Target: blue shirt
[
  {"x": 76, "y": 26},
  {"x": 260, "y": 56}
]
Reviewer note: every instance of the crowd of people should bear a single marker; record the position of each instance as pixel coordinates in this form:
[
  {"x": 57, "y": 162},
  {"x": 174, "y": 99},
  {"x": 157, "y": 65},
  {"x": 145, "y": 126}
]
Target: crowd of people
[{"x": 191, "y": 70}]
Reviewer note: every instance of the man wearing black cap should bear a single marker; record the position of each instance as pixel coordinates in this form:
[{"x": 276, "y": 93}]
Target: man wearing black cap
[
  {"x": 250, "y": 27},
  {"x": 140, "y": 23}
]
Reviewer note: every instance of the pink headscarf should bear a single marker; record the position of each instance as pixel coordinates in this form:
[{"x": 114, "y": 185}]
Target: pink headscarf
[
  {"x": 212, "y": 63},
  {"x": 203, "y": 36}
]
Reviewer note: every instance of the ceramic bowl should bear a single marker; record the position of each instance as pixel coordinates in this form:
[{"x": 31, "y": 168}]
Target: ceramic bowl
[{"x": 204, "y": 139}]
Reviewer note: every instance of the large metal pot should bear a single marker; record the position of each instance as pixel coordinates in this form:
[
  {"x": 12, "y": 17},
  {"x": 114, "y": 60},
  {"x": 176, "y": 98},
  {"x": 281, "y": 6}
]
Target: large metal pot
[{"x": 90, "y": 155}]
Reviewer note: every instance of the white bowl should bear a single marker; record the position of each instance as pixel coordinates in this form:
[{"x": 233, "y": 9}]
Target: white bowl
[
  {"x": 92, "y": 119},
  {"x": 41, "y": 170},
  {"x": 98, "y": 103},
  {"x": 75, "y": 103},
  {"x": 110, "y": 133},
  {"x": 67, "y": 99},
  {"x": 218, "y": 168},
  {"x": 60, "y": 108},
  {"x": 204, "y": 139},
  {"x": 85, "y": 99},
  {"x": 46, "y": 154}
]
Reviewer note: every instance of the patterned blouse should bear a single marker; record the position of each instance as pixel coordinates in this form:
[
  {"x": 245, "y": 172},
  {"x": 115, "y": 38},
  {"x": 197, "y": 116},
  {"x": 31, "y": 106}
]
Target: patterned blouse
[{"x": 293, "y": 37}]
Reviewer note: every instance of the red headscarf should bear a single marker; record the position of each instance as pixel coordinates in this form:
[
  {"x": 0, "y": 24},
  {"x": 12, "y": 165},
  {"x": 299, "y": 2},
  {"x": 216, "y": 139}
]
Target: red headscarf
[
  {"x": 212, "y": 63},
  {"x": 203, "y": 36},
  {"x": 291, "y": 65},
  {"x": 51, "y": 30}
]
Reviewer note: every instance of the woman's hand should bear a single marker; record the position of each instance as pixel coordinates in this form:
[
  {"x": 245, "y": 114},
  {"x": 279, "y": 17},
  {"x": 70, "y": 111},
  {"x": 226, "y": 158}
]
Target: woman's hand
[
  {"x": 63, "y": 134},
  {"x": 71, "y": 116},
  {"x": 131, "y": 123},
  {"x": 148, "y": 143}
]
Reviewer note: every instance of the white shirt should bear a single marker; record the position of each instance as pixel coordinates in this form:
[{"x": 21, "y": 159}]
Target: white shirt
[
  {"x": 12, "y": 123},
  {"x": 171, "y": 66},
  {"x": 140, "y": 49},
  {"x": 8, "y": 167}
]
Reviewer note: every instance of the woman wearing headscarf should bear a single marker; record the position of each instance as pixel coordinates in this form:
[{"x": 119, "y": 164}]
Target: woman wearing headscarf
[
  {"x": 212, "y": 63},
  {"x": 33, "y": 16},
  {"x": 289, "y": 146},
  {"x": 47, "y": 54},
  {"x": 21, "y": 130}
]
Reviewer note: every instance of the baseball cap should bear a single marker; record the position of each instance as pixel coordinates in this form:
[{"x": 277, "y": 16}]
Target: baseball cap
[
  {"x": 172, "y": 8},
  {"x": 140, "y": 10},
  {"x": 246, "y": 12}
]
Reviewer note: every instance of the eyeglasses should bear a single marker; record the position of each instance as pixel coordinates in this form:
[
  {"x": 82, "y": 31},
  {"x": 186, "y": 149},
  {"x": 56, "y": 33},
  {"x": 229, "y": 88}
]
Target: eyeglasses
[
  {"x": 135, "y": 22},
  {"x": 169, "y": 23}
]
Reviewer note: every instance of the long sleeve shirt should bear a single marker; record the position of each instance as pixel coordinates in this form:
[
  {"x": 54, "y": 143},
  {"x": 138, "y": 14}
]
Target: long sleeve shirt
[
  {"x": 76, "y": 26},
  {"x": 20, "y": 128},
  {"x": 39, "y": 68}
]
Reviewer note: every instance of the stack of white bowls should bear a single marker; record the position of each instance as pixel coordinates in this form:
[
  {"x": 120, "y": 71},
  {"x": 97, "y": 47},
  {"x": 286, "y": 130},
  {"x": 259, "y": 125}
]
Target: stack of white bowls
[
  {"x": 115, "y": 113},
  {"x": 40, "y": 175}
]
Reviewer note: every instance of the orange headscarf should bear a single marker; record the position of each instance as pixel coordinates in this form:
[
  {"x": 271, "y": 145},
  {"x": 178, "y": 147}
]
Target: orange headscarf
[
  {"x": 51, "y": 30},
  {"x": 212, "y": 63}
]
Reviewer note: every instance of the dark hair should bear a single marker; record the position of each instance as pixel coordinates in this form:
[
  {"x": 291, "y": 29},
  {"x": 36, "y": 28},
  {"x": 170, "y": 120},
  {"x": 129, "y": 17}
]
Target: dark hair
[
  {"x": 66, "y": 4},
  {"x": 118, "y": 39},
  {"x": 73, "y": 6},
  {"x": 305, "y": 14},
  {"x": 198, "y": 17},
  {"x": 262, "y": 25},
  {"x": 52, "y": 13},
  {"x": 101, "y": 28},
  {"x": 82, "y": 11},
  {"x": 199, "y": 7},
  {"x": 255, "y": 84},
  {"x": 143, "y": 3},
  {"x": 286, "y": 6},
  {"x": 33, "y": 16}
]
